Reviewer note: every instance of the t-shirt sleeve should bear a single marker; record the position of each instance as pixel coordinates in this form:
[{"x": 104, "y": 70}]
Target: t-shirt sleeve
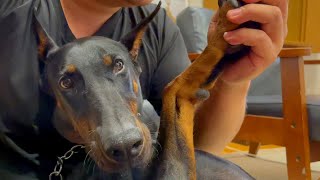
[
  {"x": 173, "y": 59},
  {"x": 18, "y": 63},
  {"x": 7, "y": 6}
]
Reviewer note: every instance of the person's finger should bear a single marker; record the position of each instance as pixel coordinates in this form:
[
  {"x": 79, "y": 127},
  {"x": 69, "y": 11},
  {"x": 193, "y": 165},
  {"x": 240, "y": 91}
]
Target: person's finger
[
  {"x": 262, "y": 53},
  {"x": 282, "y": 4},
  {"x": 268, "y": 16}
]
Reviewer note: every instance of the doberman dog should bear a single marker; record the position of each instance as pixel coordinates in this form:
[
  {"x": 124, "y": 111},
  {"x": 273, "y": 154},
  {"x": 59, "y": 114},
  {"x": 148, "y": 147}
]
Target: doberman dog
[{"x": 95, "y": 83}]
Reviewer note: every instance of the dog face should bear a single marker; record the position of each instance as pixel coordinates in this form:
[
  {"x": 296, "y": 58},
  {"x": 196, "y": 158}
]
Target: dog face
[
  {"x": 95, "y": 82},
  {"x": 97, "y": 86}
]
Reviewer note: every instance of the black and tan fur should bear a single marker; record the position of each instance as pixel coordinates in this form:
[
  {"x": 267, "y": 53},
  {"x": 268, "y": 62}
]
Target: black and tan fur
[{"x": 95, "y": 83}]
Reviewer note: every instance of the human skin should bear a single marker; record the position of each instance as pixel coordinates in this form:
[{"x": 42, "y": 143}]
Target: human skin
[{"x": 220, "y": 117}]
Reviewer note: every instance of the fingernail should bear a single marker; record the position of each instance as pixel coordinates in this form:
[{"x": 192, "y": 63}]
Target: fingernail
[
  {"x": 226, "y": 36},
  {"x": 235, "y": 12}
]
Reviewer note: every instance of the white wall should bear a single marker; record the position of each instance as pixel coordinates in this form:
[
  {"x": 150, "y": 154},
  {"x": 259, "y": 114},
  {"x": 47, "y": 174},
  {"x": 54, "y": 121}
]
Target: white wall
[
  {"x": 312, "y": 76},
  {"x": 196, "y": 3}
]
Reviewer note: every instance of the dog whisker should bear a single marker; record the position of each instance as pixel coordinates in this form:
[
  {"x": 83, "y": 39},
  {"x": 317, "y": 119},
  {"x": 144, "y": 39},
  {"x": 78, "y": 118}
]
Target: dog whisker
[
  {"x": 88, "y": 167},
  {"x": 90, "y": 163},
  {"x": 99, "y": 165},
  {"x": 159, "y": 145},
  {"x": 92, "y": 131},
  {"x": 156, "y": 153},
  {"x": 93, "y": 168},
  {"x": 84, "y": 92},
  {"x": 85, "y": 159},
  {"x": 94, "y": 164},
  {"x": 155, "y": 150}
]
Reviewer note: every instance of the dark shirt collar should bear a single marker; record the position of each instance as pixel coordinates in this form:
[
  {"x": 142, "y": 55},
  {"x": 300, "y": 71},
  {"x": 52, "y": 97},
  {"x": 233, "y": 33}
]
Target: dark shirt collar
[{"x": 106, "y": 30}]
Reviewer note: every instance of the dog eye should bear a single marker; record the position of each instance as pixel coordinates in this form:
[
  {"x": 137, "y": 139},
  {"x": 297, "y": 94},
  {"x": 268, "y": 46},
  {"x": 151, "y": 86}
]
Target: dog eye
[
  {"x": 66, "y": 83},
  {"x": 118, "y": 66}
]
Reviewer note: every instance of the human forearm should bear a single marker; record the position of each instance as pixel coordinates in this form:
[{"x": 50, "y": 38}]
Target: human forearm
[{"x": 219, "y": 118}]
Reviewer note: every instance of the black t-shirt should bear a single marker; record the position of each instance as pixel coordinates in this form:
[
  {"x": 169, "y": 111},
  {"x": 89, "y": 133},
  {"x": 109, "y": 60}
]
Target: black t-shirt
[{"x": 163, "y": 56}]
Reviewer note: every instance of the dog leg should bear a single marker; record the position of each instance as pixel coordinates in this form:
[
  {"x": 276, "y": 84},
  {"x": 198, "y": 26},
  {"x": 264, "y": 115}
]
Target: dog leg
[{"x": 177, "y": 160}]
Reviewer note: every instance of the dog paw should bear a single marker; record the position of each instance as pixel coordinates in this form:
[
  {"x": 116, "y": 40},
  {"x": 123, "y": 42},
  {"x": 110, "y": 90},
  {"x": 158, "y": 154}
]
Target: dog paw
[
  {"x": 233, "y": 3},
  {"x": 238, "y": 51}
]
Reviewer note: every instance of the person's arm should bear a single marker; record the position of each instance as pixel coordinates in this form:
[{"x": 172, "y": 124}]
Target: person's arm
[
  {"x": 219, "y": 118},
  {"x": 19, "y": 65},
  {"x": 7, "y": 6}
]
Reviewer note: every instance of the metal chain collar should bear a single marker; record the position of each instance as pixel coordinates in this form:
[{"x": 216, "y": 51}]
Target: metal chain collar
[{"x": 58, "y": 168}]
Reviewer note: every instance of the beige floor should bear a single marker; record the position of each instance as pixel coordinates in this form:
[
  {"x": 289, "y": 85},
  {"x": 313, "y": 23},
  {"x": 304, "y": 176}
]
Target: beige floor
[{"x": 270, "y": 164}]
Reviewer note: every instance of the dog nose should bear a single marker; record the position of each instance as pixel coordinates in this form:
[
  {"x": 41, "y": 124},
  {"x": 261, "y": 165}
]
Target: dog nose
[{"x": 126, "y": 145}]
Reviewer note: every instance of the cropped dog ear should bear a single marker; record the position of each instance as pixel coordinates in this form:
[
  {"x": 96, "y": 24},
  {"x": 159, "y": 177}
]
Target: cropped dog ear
[
  {"x": 133, "y": 39},
  {"x": 45, "y": 44}
]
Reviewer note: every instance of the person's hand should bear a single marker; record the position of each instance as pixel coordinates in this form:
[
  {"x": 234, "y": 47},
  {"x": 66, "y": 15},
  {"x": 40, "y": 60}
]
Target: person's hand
[{"x": 265, "y": 43}]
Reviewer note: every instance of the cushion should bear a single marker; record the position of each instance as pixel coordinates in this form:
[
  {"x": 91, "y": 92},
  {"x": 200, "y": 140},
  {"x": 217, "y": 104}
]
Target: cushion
[
  {"x": 269, "y": 82},
  {"x": 194, "y": 23},
  {"x": 271, "y": 105}
]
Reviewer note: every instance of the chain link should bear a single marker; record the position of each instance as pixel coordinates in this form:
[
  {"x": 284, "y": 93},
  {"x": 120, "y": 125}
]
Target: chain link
[{"x": 59, "y": 165}]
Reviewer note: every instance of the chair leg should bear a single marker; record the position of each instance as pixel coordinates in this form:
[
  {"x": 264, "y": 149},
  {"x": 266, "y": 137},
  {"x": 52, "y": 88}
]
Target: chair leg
[
  {"x": 254, "y": 148},
  {"x": 296, "y": 132},
  {"x": 315, "y": 151},
  {"x": 298, "y": 163}
]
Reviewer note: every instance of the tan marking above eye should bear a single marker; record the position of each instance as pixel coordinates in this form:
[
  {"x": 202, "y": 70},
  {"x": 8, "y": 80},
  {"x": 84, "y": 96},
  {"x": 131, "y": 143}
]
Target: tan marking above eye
[
  {"x": 71, "y": 68},
  {"x": 107, "y": 60},
  {"x": 133, "y": 106},
  {"x": 135, "y": 86}
]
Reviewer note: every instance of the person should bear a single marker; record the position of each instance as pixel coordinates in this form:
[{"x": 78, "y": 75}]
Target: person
[{"x": 25, "y": 110}]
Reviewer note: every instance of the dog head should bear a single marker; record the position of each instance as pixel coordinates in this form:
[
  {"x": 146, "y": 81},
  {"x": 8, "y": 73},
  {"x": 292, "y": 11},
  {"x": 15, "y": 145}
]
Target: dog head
[{"x": 95, "y": 82}]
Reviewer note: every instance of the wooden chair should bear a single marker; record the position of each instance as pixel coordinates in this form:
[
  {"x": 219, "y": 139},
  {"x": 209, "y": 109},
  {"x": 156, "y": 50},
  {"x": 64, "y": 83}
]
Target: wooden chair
[{"x": 291, "y": 130}]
